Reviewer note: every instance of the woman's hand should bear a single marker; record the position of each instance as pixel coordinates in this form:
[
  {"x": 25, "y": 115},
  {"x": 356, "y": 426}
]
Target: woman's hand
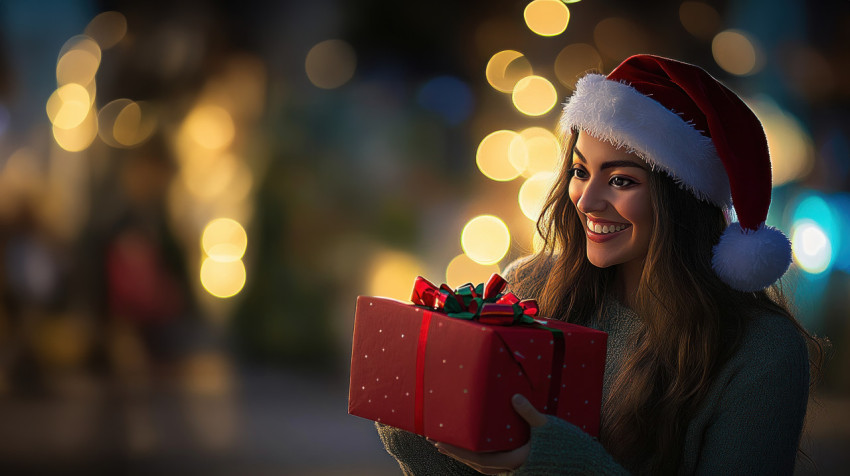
[{"x": 500, "y": 461}]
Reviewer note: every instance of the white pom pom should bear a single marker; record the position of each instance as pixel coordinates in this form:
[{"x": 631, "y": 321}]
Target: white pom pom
[{"x": 750, "y": 260}]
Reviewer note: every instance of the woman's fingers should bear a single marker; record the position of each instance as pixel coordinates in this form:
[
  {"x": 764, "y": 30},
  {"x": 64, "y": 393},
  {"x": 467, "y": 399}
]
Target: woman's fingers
[
  {"x": 487, "y": 463},
  {"x": 527, "y": 411}
]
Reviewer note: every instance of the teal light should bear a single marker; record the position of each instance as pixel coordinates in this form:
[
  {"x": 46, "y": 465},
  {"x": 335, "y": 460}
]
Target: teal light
[{"x": 815, "y": 234}]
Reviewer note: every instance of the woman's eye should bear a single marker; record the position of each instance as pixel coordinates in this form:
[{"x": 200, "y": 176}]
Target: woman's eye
[
  {"x": 621, "y": 182},
  {"x": 578, "y": 173}
]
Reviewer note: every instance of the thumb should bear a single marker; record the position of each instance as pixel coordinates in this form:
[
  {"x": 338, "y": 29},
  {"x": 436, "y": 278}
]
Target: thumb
[{"x": 527, "y": 411}]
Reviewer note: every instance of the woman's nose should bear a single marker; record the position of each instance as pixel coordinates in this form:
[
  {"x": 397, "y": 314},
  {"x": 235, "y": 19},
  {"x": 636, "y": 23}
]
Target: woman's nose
[{"x": 592, "y": 199}]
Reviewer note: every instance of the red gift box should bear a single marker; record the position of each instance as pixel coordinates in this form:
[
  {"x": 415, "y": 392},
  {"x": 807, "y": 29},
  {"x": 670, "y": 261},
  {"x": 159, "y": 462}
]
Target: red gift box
[{"x": 452, "y": 379}]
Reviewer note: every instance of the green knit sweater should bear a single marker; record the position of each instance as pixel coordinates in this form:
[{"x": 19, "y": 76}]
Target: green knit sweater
[{"x": 749, "y": 422}]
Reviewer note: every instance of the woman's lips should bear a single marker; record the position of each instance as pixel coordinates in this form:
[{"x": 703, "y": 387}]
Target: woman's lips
[{"x": 603, "y": 237}]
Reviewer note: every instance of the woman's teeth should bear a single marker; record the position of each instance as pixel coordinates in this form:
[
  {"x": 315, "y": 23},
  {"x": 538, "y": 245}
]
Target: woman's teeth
[{"x": 602, "y": 229}]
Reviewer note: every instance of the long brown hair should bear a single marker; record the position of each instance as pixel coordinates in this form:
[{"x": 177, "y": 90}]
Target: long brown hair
[{"x": 674, "y": 358}]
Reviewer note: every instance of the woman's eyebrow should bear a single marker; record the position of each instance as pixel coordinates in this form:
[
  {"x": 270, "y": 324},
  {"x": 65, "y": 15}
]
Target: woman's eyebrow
[{"x": 613, "y": 163}]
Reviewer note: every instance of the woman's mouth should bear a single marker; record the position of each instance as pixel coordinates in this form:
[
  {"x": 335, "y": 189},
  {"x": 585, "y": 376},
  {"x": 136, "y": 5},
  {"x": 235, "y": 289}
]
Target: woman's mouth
[{"x": 601, "y": 232}]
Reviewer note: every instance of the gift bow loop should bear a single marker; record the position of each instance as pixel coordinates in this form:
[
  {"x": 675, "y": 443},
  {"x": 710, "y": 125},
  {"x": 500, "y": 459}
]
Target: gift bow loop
[{"x": 485, "y": 303}]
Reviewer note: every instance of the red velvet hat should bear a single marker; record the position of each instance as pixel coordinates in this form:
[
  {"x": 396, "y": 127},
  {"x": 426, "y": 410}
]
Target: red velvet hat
[{"x": 679, "y": 119}]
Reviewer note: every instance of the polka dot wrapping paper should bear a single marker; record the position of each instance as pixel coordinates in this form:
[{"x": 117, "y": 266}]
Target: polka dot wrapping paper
[{"x": 452, "y": 379}]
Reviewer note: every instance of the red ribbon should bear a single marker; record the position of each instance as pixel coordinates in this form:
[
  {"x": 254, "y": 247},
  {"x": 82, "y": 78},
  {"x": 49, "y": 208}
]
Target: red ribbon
[{"x": 419, "y": 395}]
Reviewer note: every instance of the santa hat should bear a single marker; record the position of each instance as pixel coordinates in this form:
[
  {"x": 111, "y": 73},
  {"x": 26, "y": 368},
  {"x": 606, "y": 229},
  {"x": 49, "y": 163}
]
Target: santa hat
[{"x": 681, "y": 120}]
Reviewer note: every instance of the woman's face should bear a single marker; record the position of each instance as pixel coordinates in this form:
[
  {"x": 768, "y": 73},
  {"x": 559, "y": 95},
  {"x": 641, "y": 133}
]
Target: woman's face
[{"x": 610, "y": 191}]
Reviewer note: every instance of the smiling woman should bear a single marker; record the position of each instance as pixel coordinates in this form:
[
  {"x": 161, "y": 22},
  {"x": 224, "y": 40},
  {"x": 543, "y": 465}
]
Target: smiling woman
[
  {"x": 610, "y": 192},
  {"x": 707, "y": 370}
]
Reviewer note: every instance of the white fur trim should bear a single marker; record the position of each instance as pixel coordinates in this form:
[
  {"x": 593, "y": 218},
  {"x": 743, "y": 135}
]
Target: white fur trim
[
  {"x": 750, "y": 260},
  {"x": 619, "y": 114}
]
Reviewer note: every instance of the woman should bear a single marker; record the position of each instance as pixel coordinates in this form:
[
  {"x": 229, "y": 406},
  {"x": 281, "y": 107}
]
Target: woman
[{"x": 707, "y": 370}]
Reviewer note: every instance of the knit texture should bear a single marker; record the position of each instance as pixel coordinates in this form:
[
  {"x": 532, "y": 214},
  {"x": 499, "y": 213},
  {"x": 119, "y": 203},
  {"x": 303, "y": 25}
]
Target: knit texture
[{"x": 749, "y": 423}]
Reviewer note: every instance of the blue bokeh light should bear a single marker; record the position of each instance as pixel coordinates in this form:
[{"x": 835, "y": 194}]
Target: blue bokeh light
[{"x": 447, "y": 96}]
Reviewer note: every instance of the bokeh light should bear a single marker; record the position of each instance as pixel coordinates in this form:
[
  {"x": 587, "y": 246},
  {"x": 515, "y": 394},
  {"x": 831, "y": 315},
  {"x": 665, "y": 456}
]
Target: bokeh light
[
  {"x": 840, "y": 205},
  {"x": 737, "y": 52},
  {"x": 222, "y": 279},
  {"x": 505, "y": 68},
  {"x": 107, "y": 29},
  {"x": 815, "y": 223},
  {"x": 68, "y": 106},
  {"x": 462, "y": 270},
  {"x": 541, "y": 148},
  {"x": 392, "y": 274},
  {"x": 811, "y": 247},
  {"x": 547, "y": 17},
  {"x": 79, "y": 137},
  {"x": 224, "y": 239},
  {"x": 79, "y": 60},
  {"x": 534, "y": 95},
  {"x": 533, "y": 192},
  {"x": 447, "y": 96},
  {"x": 485, "y": 239},
  {"x": 210, "y": 127},
  {"x": 330, "y": 64},
  {"x": 125, "y": 123},
  {"x": 497, "y": 159},
  {"x": 223, "y": 177},
  {"x": 792, "y": 154},
  {"x": 700, "y": 19},
  {"x": 574, "y": 61}
]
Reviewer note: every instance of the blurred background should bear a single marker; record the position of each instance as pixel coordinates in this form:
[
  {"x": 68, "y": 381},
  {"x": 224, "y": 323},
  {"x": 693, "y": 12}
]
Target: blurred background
[{"x": 192, "y": 195}]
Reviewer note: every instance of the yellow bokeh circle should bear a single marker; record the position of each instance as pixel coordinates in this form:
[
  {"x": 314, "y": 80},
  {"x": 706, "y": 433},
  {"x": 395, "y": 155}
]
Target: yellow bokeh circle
[
  {"x": 547, "y": 17},
  {"x": 499, "y": 158},
  {"x": 534, "y": 95},
  {"x": 485, "y": 239},
  {"x": 224, "y": 240},
  {"x": 505, "y": 68},
  {"x": 735, "y": 51},
  {"x": 222, "y": 279},
  {"x": 533, "y": 192}
]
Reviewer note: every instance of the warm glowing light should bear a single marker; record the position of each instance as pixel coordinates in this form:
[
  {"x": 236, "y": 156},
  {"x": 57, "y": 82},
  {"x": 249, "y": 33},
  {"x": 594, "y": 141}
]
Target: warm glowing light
[
  {"x": 547, "y": 17},
  {"x": 505, "y": 68},
  {"x": 209, "y": 177},
  {"x": 811, "y": 247},
  {"x": 534, "y": 95},
  {"x": 736, "y": 52},
  {"x": 68, "y": 106},
  {"x": 542, "y": 149},
  {"x": 78, "y": 62},
  {"x": 618, "y": 38},
  {"x": 107, "y": 29},
  {"x": 224, "y": 240},
  {"x": 792, "y": 154},
  {"x": 485, "y": 239},
  {"x": 77, "y": 138},
  {"x": 330, "y": 64},
  {"x": 392, "y": 274},
  {"x": 462, "y": 270},
  {"x": 222, "y": 279},
  {"x": 125, "y": 123},
  {"x": 699, "y": 19},
  {"x": 496, "y": 159},
  {"x": 574, "y": 61},
  {"x": 532, "y": 194},
  {"x": 210, "y": 127}
]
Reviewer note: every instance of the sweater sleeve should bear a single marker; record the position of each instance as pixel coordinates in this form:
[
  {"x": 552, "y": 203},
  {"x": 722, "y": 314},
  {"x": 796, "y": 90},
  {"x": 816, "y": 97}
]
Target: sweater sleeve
[
  {"x": 756, "y": 426},
  {"x": 416, "y": 456},
  {"x": 561, "y": 448}
]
